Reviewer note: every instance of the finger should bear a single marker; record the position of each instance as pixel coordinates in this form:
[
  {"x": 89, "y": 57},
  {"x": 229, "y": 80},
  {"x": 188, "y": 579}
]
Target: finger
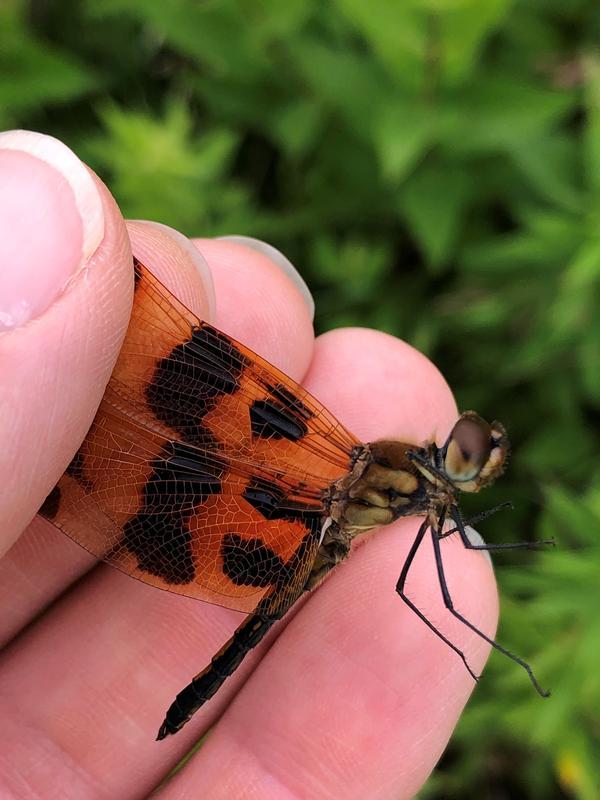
[
  {"x": 43, "y": 562},
  {"x": 174, "y": 260},
  {"x": 64, "y": 255},
  {"x": 130, "y": 647},
  {"x": 65, "y": 294},
  {"x": 262, "y": 301},
  {"x": 355, "y": 664}
]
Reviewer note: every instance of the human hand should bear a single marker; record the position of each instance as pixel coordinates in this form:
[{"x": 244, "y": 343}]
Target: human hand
[{"x": 352, "y": 696}]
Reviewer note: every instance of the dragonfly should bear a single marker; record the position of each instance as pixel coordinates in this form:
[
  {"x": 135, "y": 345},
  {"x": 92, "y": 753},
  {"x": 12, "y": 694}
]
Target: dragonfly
[{"x": 210, "y": 473}]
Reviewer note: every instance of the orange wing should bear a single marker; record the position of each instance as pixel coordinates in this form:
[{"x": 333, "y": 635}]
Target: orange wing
[{"x": 205, "y": 469}]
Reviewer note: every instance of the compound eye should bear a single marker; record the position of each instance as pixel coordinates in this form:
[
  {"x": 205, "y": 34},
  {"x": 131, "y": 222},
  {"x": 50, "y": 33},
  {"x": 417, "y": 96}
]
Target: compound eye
[{"x": 468, "y": 448}]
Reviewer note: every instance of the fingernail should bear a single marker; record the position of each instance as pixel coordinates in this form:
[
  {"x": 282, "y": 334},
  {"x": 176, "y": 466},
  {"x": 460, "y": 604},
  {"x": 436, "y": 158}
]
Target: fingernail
[
  {"x": 51, "y": 222},
  {"x": 190, "y": 251},
  {"x": 281, "y": 261},
  {"x": 476, "y": 538}
]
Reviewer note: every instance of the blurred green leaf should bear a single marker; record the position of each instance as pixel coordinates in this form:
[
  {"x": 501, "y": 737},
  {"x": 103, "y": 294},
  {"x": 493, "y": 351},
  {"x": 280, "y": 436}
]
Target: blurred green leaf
[
  {"x": 434, "y": 200},
  {"x": 355, "y": 267},
  {"x": 33, "y": 71},
  {"x": 402, "y": 132},
  {"x": 592, "y": 130},
  {"x": 588, "y": 358},
  {"x": 496, "y": 112},
  {"x": 463, "y": 26},
  {"x": 546, "y": 240},
  {"x": 574, "y": 308},
  {"x": 160, "y": 169},
  {"x": 396, "y": 32},
  {"x": 342, "y": 80},
  {"x": 549, "y": 164},
  {"x": 200, "y": 30},
  {"x": 296, "y": 126}
]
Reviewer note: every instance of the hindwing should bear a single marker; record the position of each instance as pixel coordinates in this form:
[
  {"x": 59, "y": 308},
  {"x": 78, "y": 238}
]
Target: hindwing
[{"x": 205, "y": 469}]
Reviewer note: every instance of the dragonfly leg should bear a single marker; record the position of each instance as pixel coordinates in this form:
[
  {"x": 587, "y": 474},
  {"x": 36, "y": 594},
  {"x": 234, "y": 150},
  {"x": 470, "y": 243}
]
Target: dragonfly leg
[
  {"x": 460, "y": 527},
  {"x": 474, "y": 520},
  {"x": 450, "y": 606},
  {"x": 400, "y": 589}
]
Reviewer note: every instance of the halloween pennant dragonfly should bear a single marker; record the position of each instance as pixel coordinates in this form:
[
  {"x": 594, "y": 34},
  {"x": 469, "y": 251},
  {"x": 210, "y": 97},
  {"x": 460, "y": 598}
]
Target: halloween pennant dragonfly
[{"x": 209, "y": 473}]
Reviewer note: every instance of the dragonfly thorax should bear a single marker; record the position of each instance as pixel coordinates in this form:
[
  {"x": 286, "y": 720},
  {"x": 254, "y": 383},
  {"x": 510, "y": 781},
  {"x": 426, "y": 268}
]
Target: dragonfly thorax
[{"x": 391, "y": 479}]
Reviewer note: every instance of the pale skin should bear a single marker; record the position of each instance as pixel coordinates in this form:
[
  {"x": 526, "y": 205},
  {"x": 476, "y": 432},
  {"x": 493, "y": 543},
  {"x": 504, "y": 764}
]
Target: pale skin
[{"x": 351, "y": 695}]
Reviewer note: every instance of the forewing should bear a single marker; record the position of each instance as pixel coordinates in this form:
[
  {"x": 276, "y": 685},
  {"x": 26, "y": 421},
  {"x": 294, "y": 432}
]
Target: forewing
[{"x": 205, "y": 469}]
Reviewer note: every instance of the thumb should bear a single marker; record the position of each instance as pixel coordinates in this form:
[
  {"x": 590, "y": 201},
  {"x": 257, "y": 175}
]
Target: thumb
[{"x": 65, "y": 296}]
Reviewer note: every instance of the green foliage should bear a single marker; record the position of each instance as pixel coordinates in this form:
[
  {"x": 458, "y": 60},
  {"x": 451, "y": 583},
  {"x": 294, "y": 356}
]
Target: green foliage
[
  {"x": 434, "y": 166},
  {"x": 160, "y": 169},
  {"x": 35, "y": 72}
]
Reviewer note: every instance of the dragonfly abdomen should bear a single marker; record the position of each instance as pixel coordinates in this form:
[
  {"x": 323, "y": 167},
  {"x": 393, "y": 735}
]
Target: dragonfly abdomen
[{"x": 222, "y": 665}]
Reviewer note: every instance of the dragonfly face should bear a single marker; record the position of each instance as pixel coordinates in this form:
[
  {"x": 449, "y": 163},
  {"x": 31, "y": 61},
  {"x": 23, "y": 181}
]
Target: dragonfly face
[
  {"x": 208, "y": 472},
  {"x": 475, "y": 453}
]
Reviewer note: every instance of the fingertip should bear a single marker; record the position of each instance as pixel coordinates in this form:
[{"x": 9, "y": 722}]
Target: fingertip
[
  {"x": 51, "y": 222},
  {"x": 260, "y": 305},
  {"x": 177, "y": 263},
  {"x": 257, "y": 302},
  {"x": 51, "y": 210},
  {"x": 55, "y": 369},
  {"x": 380, "y": 386},
  {"x": 281, "y": 261}
]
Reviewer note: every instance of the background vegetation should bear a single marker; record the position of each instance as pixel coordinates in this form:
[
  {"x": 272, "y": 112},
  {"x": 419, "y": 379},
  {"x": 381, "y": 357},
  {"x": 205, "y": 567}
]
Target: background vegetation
[{"x": 433, "y": 167}]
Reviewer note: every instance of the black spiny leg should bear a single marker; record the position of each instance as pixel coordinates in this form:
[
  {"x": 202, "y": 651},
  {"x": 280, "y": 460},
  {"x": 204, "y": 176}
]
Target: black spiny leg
[
  {"x": 460, "y": 527},
  {"x": 435, "y": 538},
  {"x": 400, "y": 589},
  {"x": 478, "y": 518}
]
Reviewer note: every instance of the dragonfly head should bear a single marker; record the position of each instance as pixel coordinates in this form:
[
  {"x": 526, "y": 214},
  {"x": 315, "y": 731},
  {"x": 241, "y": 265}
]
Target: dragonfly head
[{"x": 475, "y": 453}]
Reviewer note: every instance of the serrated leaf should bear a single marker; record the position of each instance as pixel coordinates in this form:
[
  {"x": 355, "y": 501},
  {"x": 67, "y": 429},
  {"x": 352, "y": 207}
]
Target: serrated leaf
[
  {"x": 402, "y": 131},
  {"x": 463, "y": 26},
  {"x": 353, "y": 266},
  {"x": 202, "y": 31},
  {"x": 550, "y": 164},
  {"x": 35, "y": 72},
  {"x": 576, "y": 307},
  {"x": 397, "y": 33},
  {"x": 159, "y": 169},
  {"x": 570, "y": 513},
  {"x": 296, "y": 126},
  {"x": 433, "y": 201},
  {"x": 496, "y": 113},
  {"x": 544, "y": 240},
  {"x": 343, "y": 80}
]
